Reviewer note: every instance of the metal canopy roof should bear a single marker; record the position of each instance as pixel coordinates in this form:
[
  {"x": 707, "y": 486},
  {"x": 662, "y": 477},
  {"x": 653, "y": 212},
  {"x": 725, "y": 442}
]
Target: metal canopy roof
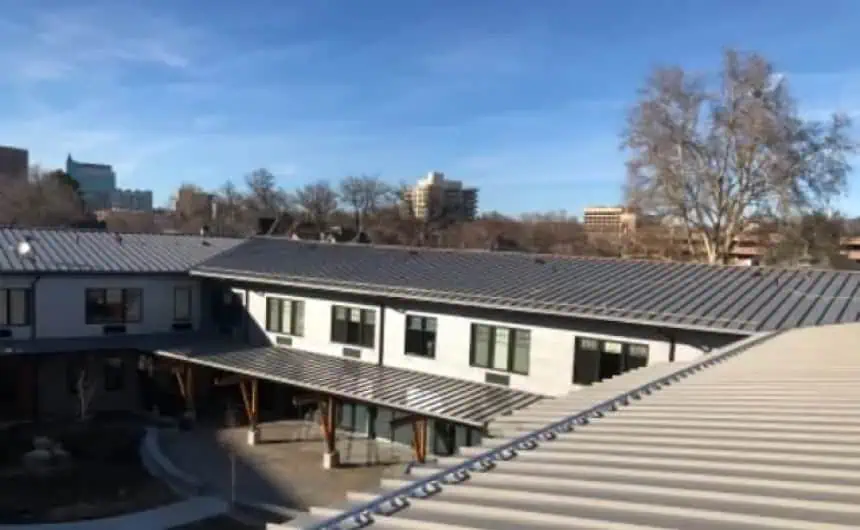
[
  {"x": 100, "y": 252},
  {"x": 742, "y": 300},
  {"x": 434, "y": 396}
]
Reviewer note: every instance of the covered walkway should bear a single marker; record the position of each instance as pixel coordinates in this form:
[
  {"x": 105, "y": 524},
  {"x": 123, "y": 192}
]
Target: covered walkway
[{"x": 331, "y": 382}]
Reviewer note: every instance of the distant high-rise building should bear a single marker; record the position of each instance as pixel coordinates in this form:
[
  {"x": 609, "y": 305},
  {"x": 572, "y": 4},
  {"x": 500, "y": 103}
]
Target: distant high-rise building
[
  {"x": 435, "y": 197},
  {"x": 14, "y": 162},
  {"x": 134, "y": 200},
  {"x": 97, "y": 182},
  {"x": 609, "y": 220}
]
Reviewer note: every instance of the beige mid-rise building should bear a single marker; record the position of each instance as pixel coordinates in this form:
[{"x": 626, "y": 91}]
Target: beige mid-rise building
[
  {"x": 609, "y": 220},
  {"x": 435, "y": 197}
]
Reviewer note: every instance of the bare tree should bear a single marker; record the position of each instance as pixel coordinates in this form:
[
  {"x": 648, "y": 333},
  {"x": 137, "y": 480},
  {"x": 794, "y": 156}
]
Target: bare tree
[
  {"x": 44, "y": 199},
  {"x": 265, "y": 197},
  {"x": 85, "y": 388},
  {"x": 364, "y": 195},
  {"x": 318, "y": 201},
  {"x": 713, "y": 158}
]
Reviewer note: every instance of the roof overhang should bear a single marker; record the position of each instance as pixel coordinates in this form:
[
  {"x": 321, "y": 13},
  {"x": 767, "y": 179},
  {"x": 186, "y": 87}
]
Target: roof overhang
[
  {"x": 423, "y": 295},
  {"x": 429, "y": 395}
]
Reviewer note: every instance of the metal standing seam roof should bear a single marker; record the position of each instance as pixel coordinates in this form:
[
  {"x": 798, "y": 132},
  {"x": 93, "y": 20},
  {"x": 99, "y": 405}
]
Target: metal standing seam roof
[
  {"x": 763, "y": 434},
  {"x": 99, "y": 252},
  {"x": 435, "y": 396},
  {"x": 742, "y": 300}
]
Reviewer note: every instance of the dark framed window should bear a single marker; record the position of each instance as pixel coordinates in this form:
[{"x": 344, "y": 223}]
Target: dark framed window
[
  {"x": 353, "y": 326},
  {"x": 15, "y": 307},
  {"x": 596, "y": 359},
  {"x": 501, "y": 348},
  {"x": 182, "y": 297},
  {"x": 114, "y": 306},
  {"x": 421, "y": 336},
  {"x": 285, "y": 316},
  {"x": 113, "y": 374}
]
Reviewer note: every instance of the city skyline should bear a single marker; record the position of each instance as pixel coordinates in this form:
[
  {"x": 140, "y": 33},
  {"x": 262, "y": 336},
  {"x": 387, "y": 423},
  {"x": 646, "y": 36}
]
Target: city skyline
[{"x": 524, "y": 102}]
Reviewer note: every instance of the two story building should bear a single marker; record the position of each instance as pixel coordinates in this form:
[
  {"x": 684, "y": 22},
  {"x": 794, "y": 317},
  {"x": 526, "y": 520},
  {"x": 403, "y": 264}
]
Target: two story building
[
  {"x": 78, "y": 307},
  {"x": 376, "y": 338}
]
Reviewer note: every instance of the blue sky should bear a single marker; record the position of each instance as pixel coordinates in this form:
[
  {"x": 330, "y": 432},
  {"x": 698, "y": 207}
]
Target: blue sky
[{"x": 522, "y": 98}]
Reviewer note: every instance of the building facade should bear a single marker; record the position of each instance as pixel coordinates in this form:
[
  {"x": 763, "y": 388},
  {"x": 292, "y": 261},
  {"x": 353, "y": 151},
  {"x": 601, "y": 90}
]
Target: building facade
[
  {"x": 14, "y": 163},
  {"x": 132, "y": 200},
  {"x": 437, "y": 198}
]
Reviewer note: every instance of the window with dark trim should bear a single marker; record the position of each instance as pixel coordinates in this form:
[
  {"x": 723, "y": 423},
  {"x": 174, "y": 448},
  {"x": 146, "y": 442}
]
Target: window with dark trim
[
  {"x": 15, "y": 307},
  {"x": 113, "y": 374},
  {"x": 353, "y": 326},
  {"x": 596, "y": 359},
  {"x": 182, "y": 297},
  {"x": 114, "y": 306},
  {"x": 285, "y": 316},
  {"x": 420, "y": 336},
  {"x": 500, "y": 348}
]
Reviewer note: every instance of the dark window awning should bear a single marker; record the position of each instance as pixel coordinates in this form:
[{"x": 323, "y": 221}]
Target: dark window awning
[{"x": 428, "y": 395}]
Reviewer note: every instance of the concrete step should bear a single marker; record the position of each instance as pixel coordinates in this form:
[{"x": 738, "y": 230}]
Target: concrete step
[
  {"x": 595, "y": 437},
  {"x": 781, "y": 383},
  {"x": 744, "y": 400},
  {"x": 598, "y": 450},
  {"x": 438, "y": 514},
  {"x": 685, "y": 496},
  {"x": 514, "y": 505},
  {"x": 536, "y": 463},
  {"x": 680, "y": 392},
  {"x": 508, "y": 473}
]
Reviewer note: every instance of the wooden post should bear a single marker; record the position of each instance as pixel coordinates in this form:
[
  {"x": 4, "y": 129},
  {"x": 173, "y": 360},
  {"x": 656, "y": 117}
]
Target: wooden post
[
  {"x": 419, "y": 439},
  {"x": 190, "y": 408},
  {"x": 250, "y": 400},
  {"x": 328, "y": 427}
]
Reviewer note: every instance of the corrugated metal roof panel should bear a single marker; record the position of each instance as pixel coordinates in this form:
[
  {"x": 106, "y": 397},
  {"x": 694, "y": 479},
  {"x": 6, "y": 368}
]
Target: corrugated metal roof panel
[
  {"x": 99, "y": 252},
  {"x": 431, "y": 395},
  {"x": 716, "y": 298}
]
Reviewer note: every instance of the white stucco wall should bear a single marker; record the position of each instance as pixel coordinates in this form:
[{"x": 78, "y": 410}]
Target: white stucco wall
[{"x": 551, "y": 353}]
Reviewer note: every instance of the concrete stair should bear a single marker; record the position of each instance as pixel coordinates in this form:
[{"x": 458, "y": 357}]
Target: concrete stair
[{"x": 769, "y": 439}]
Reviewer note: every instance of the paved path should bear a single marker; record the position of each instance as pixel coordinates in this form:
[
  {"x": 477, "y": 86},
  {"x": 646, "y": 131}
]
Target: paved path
[
  {"x": 285, "y": 470},
  {"x": 162, "y": 518}
]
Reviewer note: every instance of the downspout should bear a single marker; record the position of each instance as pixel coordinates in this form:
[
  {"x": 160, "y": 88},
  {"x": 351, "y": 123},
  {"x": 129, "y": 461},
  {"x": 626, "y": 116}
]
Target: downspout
[
  {"x": 33, "y": 320},
  {"x": 672, "y": 343},
  {"x": 32, "y": 308},
  {"x": 381, "y": 334}
]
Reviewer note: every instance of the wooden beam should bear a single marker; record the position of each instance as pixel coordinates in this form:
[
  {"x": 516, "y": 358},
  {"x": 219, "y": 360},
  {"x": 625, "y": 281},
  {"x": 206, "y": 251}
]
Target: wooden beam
[
  {"x": 180, "y": 380},
  {"x": 228, "y": 380},
  {"x": 405, "y": 420}
]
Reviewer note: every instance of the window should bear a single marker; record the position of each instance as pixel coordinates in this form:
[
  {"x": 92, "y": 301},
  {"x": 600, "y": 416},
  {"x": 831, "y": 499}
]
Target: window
[
  {"x": 182, "y": 304},
  {"x": 114, "y": 306},
  {"x": 14, "y": 307},
  {"x": 421, "y": 336},
  {"x": 353, "y": 326},
  {"x": 501, "y": 348},
  {"x": 595, "y": 360},
  {"x": 113, "y": 374},
  {"x": 285, "y": 316}
]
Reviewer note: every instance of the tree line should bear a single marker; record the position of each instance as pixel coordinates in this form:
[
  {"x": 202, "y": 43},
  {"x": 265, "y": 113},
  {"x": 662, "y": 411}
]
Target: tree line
[{"x": 719, "y": 160}]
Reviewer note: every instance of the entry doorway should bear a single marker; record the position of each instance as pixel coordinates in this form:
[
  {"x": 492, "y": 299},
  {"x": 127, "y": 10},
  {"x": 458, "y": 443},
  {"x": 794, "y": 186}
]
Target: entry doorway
[
  {"x": 17, "y": 388},
  {"x": 595, "y": 360}
]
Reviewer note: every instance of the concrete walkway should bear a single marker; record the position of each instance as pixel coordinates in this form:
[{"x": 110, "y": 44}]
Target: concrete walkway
[
  {"x": 162, "y": 518},
  {"x": 285, "y": 469}
]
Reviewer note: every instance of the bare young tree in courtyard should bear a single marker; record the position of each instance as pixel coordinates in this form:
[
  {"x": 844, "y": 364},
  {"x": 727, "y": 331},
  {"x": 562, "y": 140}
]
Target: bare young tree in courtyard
[
  {"x": 85, "y": 388},
  {"x": 713, "y": 157}
]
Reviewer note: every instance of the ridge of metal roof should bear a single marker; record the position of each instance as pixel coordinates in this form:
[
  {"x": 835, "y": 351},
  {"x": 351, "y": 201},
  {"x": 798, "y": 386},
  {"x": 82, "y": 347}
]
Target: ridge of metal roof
[
  {"x": 726, "y": 299},
  {"x": 90, "y": 251}
]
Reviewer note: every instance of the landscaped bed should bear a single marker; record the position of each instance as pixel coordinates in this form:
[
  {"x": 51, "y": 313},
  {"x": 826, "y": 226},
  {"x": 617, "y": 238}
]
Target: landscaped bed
[{"x": 74, "y": 471}]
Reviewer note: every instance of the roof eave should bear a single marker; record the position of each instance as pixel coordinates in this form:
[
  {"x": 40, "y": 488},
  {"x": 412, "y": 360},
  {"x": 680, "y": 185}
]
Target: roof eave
[
  {"x": 267, "y": 279},
  {"x": 184, "y": 272}
]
